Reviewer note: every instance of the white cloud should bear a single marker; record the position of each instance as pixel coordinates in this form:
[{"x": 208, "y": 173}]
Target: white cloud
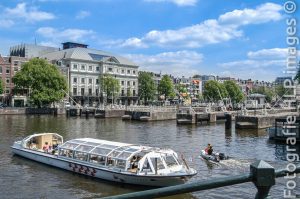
[
  {"x": 179, "y": 62},
  {"x": 264, "y": 64},
  {"x": 82, "y": 14},
  {"x": 177, "y": 2},
  {"x": 6, "y": 23},
  {"x": 56, "y": 36},
  {"x": 28, "y": 14},
  {"x": 262, "y": 14},
  {"x": 211, "y": 31}
]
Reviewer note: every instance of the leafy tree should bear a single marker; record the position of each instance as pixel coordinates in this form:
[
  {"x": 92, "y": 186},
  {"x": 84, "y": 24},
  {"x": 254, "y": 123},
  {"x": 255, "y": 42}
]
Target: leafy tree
[
  {"x": 234, "y": 91},
  {"x": 214, "y": 91},
  {"x": 166, "y": 87},
  {"x": 1, "y": 87},
  {"x": 181, "y": 89},
  {"x": 147, "y": 88},
  {"x": 109, "y": 85},
  {"x": 280, "y": 91},
  {"x": 44, "y": 81}
]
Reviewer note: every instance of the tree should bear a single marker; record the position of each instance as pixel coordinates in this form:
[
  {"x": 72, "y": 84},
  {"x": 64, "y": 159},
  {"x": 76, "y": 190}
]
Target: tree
[
  {"x": 147, "y": 88},
  {"x": 109, "y": 85},
  {"x": 214, "y": 91},
  {"x": 280, "y": 91},
  {"x": 166, "y": 87},
  {"x": 44, "y": 81},
  {"x": 234, "y": 92},
  {"x": 1, "y": 87}
]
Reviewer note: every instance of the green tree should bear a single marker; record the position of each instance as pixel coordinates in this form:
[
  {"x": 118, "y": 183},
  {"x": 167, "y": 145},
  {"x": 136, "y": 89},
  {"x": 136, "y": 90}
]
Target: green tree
[
  {"x": 280, "y": 91},
  {"x": 1, "y": 87},
  {"x": 147, "y": 88},
  {"x": 234, "y": 91},
  {"x": 166, "y": 87},
  {"x": 109, "y": 85},
  {"x": 44, "y": 81},
  {"x": 214, "y": 91}
]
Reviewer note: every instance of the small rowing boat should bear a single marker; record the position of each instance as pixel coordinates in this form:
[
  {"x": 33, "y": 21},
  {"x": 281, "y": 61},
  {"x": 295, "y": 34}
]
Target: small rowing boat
[{"x": 113, "y": 161}]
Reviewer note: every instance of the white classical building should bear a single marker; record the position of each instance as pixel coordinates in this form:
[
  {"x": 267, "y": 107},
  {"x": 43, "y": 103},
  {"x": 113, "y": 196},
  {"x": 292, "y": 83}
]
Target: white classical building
[{"x": 83, "y": 66}]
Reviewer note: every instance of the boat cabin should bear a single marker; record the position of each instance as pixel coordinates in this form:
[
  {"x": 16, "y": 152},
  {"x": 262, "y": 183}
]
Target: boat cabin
[
  {"x": 120, "y": 156},
  {"x": 44, "y": 142}
]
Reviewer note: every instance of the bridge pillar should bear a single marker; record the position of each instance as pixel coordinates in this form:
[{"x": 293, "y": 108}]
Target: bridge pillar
[
  {"x": 228, "y": 121},
  {"x": 212, "y": 117},
  {"x": 263, "y": 176}
]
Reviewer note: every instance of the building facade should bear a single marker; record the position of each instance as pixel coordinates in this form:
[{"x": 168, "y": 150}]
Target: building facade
[{"x": 83, "y": 67}]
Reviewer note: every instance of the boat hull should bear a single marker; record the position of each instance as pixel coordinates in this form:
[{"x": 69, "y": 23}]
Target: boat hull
[{"x": 115, "y": 175}]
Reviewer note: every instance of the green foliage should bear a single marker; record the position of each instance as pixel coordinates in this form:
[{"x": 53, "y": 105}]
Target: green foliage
[
  {"x": 234, "y": 91},
  {"x": 109, "y": 85},
  {"x": 147, "y": 88},
  {"x": 181, "y": 89},
  {"x": 166, "y": 87},
  {"x": 268, "y": 92},
  {"x": 44, "y": 81},
  {"x": 280, "y": 91},
  {"x": 1, "y": 87},
  {"x": 214, "y": 91},
  {"x": 297, "y": 76}
]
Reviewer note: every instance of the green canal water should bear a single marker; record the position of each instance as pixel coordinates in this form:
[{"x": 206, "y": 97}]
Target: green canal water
[{"x": 22, "y": 178}]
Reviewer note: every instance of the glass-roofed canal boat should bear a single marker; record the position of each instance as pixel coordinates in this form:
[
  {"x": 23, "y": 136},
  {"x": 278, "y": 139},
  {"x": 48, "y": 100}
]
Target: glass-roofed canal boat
[{"x": 114, "y": 161}]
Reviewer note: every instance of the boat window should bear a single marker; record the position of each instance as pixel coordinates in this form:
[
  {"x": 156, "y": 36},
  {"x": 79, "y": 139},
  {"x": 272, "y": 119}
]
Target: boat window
[
  {"x": 108, "y": 146},
  {"x": 84, "y": 148},
  {"x": 80, "y": 155},
  {"x": 110, "y": 161},
  {"x": 77, "y": 141},
  {"x": 92, "y": 143},
  {"x": 121, "y": 164},
  {"x": 124, "y": 155},
  {"x": 101, "y": 151},
  {"x": 132, "y": 150},
  {"x": 160, "y": 164},
  {"x": 170, "y": 161},
  {"x": 146, "y": 166},
  {"x": 115, "y": 153},
  {"x": 68, "y": 145},
  {"x": 66, "y": 153},
  {"x": 98, "y": 159}
]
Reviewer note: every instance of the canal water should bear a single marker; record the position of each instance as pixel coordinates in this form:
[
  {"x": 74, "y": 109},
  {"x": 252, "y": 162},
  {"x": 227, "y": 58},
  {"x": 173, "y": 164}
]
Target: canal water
[{"x": 22, "y": 178}]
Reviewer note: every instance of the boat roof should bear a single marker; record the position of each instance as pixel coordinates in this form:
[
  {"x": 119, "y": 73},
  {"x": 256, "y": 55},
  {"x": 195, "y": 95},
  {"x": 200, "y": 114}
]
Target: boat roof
[
  {"x": 41, "y": 134},
  {"x": 112, "y": 149}
]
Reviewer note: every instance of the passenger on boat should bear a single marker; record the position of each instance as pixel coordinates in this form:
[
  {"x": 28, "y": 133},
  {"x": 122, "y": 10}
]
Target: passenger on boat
[
  {"x": 46, "y": 147},
  {"x": 134, "y": 162},
  {"x": 209, "y": 149}
]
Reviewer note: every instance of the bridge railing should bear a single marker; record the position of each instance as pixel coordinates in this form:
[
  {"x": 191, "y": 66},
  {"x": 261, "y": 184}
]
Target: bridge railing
[{"x": 261, "y": 174}]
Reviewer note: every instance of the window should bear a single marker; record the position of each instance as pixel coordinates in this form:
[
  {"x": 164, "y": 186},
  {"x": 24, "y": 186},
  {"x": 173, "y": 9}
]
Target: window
[
  {"x": 75, "y": 80},
  {"x": 128, "y": 71},
  {"x": 16, "y": 63},
  {"x": 90, "y": 68},
  {"x": 133, "y": 83},
  {"x": 82, "y": 67},
  {"x": 123, "y": 71},
  {"x": 97, "y": 159},
  {"x": 97, "y": 81},
  {"x": 82, "y": 80},
  {"x": 75, "y": 66},
  {"x": 0, "y": 69},
  {"x": 133, "y": 92},
  {"x": 7, "y": 91},
  {"x": 16, "y": 69},
  {"x": 128, "y": 83},
  {"x": 7, "y": 80},
  {"x": 7, "y": 71},
  {"x": 90, "y": 81},
  {"x": 110, "y": 69},
  {"x": 74, "y": 91},
  {"x": 122, "y": 82},
  {"x": 90, "y": 91},
  {"x": 97, "y": 91},
  {"x": 133, "y": 72},
  {"x": 82, "y": 91},
  {"x": 97, "y": 68},
  {"x": 80, "y": 155},
  {"x": 122, "y": 93}
]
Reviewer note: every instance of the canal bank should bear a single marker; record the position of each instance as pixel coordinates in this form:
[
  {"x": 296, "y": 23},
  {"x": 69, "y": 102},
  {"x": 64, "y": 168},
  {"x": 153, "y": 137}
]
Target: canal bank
[{"x": 27, "y": 179}]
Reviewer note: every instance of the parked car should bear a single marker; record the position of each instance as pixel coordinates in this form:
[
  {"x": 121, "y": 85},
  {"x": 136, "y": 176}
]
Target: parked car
[{"x": 3, "y": 105}]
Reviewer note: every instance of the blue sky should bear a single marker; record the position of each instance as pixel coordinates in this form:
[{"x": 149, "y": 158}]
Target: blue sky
[{"x": 241, "y": 39}]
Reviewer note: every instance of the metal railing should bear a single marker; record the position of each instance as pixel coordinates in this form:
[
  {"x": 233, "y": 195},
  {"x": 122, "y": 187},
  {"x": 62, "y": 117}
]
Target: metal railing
[{"x": 261, "y": 174}]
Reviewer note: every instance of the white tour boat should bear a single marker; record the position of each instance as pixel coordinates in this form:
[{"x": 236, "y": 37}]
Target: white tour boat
[{"x": 114, "y": 161}]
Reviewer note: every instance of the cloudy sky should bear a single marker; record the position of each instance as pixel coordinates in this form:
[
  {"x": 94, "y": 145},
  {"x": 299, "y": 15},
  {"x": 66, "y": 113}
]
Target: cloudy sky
[{"x": 242, "y": 39}]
